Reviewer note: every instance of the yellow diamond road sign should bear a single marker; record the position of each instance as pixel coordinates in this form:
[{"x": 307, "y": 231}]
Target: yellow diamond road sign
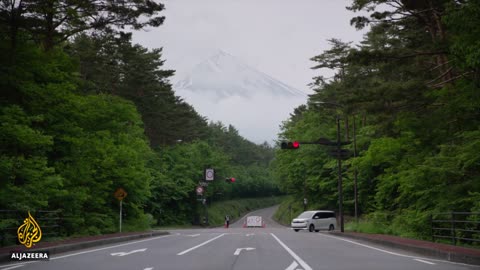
[{"x": 120, "y": 194}]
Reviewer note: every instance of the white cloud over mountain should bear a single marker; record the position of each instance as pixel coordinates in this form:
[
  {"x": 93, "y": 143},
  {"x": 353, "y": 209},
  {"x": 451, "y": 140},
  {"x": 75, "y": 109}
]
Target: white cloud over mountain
[{"x": 224, "y": 89}]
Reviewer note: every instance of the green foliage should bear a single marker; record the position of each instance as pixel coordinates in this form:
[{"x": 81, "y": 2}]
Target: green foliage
[
  {"x": 24, "y": 169},
  {"x": 110, "y": 63},
  {"x": 289, "y": 208},
  {"x": 79, "y": 121},
  {"x": 412, "y": 88},
  {"x": 52, "y": 22},
  {"x": 408, "y": 223}
]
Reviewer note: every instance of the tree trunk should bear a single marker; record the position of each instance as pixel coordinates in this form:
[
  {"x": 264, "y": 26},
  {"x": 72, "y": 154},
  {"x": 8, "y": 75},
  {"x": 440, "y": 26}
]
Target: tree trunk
[
  {"x": 346, "y": 128},
  {"x": 49, "y": 13}
]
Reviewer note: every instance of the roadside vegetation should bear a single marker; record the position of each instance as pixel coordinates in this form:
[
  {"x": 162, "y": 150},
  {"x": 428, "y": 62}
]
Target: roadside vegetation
[
  {"x": 237, "y": 208},
  {"x": 84, "y": 111},
  {"x": 412, "y": 89}
]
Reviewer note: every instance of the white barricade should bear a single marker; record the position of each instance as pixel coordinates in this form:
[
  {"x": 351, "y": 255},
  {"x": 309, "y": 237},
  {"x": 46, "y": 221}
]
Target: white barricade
[{"x": 254, "y": 221}]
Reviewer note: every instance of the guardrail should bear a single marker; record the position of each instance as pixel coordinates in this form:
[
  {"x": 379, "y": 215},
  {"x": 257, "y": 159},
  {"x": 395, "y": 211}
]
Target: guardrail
[
  {"x": 458, "y": 227},
  {"x": 50, "y": 222}
]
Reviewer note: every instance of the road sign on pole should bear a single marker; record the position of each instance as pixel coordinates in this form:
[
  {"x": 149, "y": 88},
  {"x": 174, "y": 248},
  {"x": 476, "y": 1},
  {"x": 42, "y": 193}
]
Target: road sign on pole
[
  {"x": 120, "y": 194},
  {"x": 209, "y": 174},
  {"x": 199, "y": 190}
]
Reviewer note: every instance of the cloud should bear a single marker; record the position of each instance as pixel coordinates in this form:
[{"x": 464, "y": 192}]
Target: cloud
[
  {"x": 257, "y": 118},
  {"x": 277, "y": 37}
]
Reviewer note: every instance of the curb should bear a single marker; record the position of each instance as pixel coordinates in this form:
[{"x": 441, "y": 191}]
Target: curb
[
  {"x": 5, "y": 257},
  {"x": 430, "y": 252}
]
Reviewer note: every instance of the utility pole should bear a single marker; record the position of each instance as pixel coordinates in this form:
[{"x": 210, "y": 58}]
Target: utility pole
[
  {"x": 355, "y": 172},
  {"x": 340, "y": 184},
  {"x": 204, "y": 201}
]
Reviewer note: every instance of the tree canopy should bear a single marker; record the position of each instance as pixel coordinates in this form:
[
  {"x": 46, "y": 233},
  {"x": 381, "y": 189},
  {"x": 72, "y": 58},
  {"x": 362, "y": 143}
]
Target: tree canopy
[
  {"x": 86, "y": 112},
  {"x": 411, "y": 86}
]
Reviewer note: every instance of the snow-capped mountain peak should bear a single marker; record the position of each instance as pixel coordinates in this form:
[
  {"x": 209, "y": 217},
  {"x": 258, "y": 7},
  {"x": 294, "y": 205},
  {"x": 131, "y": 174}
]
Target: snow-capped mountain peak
[
  {"x": 222, "y": 75},
  {"x": 224, "y": 89}
]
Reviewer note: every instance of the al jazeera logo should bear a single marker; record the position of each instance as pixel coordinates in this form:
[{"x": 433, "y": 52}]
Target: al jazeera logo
[{"x": 28, "y": 234}]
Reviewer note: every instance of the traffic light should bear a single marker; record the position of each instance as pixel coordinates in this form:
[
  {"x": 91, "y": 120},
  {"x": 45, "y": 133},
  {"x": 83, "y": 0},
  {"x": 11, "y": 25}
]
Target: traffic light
[
  {"x": 230, "y": 180},
  {"x": 290, "y": 145}
]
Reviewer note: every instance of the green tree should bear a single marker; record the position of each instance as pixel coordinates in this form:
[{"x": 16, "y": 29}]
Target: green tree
[{"x": 53, "y": 21}]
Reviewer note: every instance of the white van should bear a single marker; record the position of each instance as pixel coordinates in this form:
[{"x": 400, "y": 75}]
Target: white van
[{"x": 315, "y": 221}]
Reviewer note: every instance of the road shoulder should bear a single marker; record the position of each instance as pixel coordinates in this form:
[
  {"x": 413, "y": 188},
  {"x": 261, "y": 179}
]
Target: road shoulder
[{"x": 425, "y": 248}]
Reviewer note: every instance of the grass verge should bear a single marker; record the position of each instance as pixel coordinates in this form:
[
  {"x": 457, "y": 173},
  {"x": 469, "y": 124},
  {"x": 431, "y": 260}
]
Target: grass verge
[{"x": 288, "y": 209}]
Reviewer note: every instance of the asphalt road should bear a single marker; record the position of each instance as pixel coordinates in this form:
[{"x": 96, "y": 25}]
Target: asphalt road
[{"x": 273, "y": 247}]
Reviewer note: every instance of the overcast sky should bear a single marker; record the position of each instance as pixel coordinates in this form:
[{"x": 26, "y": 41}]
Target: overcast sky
[{"x": 277, "y": 37}]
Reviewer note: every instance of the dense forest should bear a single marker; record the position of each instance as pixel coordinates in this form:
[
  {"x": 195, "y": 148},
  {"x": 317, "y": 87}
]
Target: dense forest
[
  {"x": 84, "y": 111},
  {"x": 411, "y": 89}
]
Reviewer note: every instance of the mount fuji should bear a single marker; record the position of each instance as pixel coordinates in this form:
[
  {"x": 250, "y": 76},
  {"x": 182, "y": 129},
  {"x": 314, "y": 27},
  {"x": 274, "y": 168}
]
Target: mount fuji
[
  {"x": 227, "y": 90},
  {"x": 222, "y": 76}
]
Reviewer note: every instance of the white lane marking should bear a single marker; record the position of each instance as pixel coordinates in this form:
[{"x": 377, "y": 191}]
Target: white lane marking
[
  {"x": 13, "y": 267},
  {"x": 292, "y": 266},
  {"x": 237, "y": 252},
  {"x": 367, "y": 246},
  {"x": 393, "y": 253},
  {"x": 92, "y": 250},
  {"x": 295, "y": 256},
  {"x": 192, "y": 235},
  {"x": 127, "y": 253},
  {"x": 427, "y": 262},
  {"x": 202, "y": 244},
  {"x": 149, "y": 268},
  {"x": 98, "y": 249},
  {"x": 249, "y": 234}
]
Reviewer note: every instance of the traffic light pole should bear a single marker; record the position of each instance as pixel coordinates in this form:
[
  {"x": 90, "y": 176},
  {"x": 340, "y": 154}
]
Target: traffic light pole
[
  {"x": 339, "y": 153},
  {"x": 206, "y": 211},
  {"x": 355, "y": 172},
  {"x": 340, "y": 184}
]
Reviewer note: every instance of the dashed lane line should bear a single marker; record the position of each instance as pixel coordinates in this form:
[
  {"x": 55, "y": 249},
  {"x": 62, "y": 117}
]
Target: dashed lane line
[
  {"x": 427, "y": 262},
  {"x": 202, "y": 244}
]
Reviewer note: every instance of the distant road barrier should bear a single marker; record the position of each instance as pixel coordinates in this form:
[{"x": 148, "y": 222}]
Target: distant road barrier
[
  {"x": 254, "y": 221},
  {"x": 458, "y": 227}
]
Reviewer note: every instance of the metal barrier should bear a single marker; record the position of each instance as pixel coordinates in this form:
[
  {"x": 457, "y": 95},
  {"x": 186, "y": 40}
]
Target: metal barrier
[
  {"x": 10, "y": 220},
  {"x": 458, "y": 227}
]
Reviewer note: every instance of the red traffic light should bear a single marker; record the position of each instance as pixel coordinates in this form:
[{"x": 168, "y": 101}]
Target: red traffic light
[
  {"x": 232, "y": 180},
  {"x": 290, "y": 145},
  {"x": 296, "y": 145}
]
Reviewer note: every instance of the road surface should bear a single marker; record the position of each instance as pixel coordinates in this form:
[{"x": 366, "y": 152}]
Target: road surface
[{"x": 274, "y": 247}]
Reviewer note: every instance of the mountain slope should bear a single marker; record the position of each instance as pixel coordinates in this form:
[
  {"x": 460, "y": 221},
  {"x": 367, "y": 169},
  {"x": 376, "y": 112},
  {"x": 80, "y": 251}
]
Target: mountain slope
[
  {"x": 222, "y": 76},
  {"x": 224, "y": 89}
]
